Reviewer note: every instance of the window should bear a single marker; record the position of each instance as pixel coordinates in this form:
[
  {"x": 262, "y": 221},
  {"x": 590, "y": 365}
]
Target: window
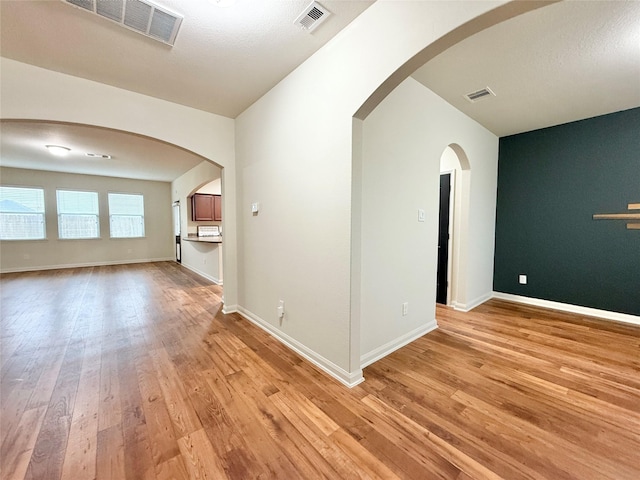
[
  {"x": 126, "y": 215},
  {"x": 78, "y": 214},
  {"x": 21, "y": 213}
]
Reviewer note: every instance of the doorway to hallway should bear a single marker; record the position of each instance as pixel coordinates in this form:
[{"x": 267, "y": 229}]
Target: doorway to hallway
[{"x": 442, "y": 282}]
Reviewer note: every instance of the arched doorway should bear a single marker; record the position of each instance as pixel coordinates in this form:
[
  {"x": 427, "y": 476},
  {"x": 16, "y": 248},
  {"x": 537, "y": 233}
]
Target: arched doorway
[{"x": 455, "y": 171}]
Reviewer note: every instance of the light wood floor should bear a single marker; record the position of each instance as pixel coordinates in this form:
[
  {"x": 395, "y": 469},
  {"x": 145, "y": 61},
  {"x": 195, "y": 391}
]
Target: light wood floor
[{"x": 133, "y": 372}]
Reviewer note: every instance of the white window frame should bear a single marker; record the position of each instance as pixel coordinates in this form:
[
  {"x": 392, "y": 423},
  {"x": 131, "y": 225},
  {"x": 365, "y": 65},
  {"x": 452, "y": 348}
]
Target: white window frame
[
  {"x": 40, "y": 214},
  {"x": 87, "y": 213},
  {"x": 113, "y": 216}
]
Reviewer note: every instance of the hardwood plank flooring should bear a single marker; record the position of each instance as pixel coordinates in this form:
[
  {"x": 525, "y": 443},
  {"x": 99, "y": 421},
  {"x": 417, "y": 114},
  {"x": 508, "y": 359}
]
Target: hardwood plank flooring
[{"x": 133, "y": 372}]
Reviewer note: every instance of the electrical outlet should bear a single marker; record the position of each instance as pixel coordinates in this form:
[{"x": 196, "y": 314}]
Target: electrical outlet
[
  {"x": 405, "y": 308},
  {"x": 522, "y": 279}
]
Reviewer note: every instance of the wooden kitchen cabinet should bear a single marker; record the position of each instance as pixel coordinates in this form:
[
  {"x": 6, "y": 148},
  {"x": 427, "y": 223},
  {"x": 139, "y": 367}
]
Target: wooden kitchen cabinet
[
  {"x": 206, "y": 208},
  {"x": 217, "y": 208}
]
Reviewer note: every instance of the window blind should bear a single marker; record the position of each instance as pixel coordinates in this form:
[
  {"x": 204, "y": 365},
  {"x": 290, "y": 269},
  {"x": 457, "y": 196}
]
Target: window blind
[
  {"x": 126, "y": 215},
  {"x": 21, "y": 213},
  {"x": 78, "y": 214}
]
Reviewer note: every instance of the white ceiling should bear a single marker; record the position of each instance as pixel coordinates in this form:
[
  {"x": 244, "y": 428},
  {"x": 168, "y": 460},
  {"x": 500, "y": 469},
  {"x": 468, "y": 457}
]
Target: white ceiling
[
  {"x": 564, "y": 62},
  {"x": 22, "y": 144},
  {"x": 223, "y": 59},
  {"x": 560, "y": 63}
]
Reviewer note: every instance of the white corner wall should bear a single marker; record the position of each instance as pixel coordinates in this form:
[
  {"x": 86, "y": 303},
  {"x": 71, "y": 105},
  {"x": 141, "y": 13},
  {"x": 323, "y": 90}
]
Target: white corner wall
[
  {"x": 294, "y": 157},
  {"x": 403, "y": 141},
  {"x": 157, "y": 244}
]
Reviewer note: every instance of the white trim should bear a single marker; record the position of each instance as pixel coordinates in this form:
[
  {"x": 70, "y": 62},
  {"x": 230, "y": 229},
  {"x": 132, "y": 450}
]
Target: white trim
[
  {"x": 390, "y": 347},
  {"x": 467, "y": 307},
  {"x": 202, "y": 274},
  {"x": 350, "y": 379},
  {"x": 82, "y": 265},
  {"x": 227, "y": 309},
  {"x": 451, "y": 232},
  {"x": 566, "y": 307}
]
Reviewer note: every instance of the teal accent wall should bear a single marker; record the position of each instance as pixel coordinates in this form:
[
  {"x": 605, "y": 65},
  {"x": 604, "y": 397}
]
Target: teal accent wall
[{"x": 550, "y": 183}]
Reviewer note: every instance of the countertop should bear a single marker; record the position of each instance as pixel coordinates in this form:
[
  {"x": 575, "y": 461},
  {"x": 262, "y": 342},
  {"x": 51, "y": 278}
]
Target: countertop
[{"x": 195, "y": 238}]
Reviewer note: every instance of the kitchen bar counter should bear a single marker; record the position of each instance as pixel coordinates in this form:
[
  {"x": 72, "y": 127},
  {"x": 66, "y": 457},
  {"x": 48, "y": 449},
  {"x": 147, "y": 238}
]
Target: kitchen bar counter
[{"x": 195, "y": 238}]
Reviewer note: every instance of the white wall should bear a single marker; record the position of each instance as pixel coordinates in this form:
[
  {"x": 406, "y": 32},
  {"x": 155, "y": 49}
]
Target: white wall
[
  {"x": 403, "y": 140},
  {"x": 449, "y": 160},
  {"x": 28, "y": 92},
  {"x": 204, "y": 259},
  {"x": 294, "y": 153},
  {"x": 212, "y": 188},
  {"x": 19, "y": 255}
]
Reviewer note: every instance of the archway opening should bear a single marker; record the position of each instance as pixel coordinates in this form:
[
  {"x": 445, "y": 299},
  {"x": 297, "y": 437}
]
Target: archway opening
[{"x": 455, "y": 170}]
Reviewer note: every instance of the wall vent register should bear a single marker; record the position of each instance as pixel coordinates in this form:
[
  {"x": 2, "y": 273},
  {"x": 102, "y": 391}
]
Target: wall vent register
[{"x": 140, "y": 16}]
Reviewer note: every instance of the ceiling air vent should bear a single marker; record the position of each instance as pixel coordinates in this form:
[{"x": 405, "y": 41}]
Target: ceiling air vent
[
  {"x": 479, "y": 95},
  {"x": 141, "y": 16},
  {"x": 312, "y": 16}
]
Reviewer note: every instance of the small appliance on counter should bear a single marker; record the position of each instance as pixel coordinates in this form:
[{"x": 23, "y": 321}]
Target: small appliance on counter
[{"x": 208, "y": 231}]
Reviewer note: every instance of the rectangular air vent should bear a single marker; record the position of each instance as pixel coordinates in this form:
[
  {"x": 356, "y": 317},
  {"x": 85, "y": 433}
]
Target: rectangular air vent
[
  {"x": 312, "y": 17},
  {"x": 479, "y": 95},
  {"x": 140, "y": 16}
]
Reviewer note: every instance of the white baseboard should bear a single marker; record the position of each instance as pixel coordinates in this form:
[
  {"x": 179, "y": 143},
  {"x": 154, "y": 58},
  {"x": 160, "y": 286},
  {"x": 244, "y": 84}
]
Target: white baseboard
[
  {"x": 350, "y": 379},
  {"x": 466, "y": 307},
  {"x": 566, "y": 307},
  {"x": 387, "y": 348},
  {"x": 227, "y": 309},
  {"x": 211, "y": 278},
  {"x": 83, "y": 265}
]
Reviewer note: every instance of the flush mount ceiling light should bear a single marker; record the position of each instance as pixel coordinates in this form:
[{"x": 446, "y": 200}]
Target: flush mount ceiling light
[{"x": 58, "y": 151}]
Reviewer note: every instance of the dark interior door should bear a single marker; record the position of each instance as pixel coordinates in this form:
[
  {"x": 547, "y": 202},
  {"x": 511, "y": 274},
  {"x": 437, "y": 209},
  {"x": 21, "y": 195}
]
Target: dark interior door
[{"x": 443, "y": 239}]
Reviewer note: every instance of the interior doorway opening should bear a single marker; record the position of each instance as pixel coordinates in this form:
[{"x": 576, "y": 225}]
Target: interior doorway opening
[
  {"x": 444, "y": 217},
  {"x": 455, "y": 172}
]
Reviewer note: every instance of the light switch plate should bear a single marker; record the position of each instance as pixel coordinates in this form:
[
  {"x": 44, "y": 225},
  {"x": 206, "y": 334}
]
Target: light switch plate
[
  {"x": 255, "y": 207},
  {"x": 421, "y": 215}
]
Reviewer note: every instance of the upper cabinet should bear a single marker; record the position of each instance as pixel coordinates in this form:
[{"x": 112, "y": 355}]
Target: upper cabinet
[
  {"x": 217, "y": 208},
  {"x": 206, "y": 208}
]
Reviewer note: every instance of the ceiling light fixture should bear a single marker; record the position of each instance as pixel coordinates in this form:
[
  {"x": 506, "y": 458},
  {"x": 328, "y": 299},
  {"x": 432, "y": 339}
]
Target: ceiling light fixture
[
  {"x": 58, "y": 151},
  {"x": 222, "y": 3}
]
